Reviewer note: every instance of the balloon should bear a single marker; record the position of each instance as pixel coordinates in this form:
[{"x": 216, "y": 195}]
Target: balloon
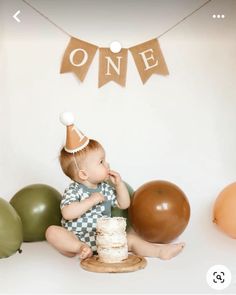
[
  {"x": 159, "y": 211},
  {"x": 224, "y": 211},
  {"x": 11, "y": 233},
  {"x": 123, "y": 213},
  {"x": 38, "y": 205}
]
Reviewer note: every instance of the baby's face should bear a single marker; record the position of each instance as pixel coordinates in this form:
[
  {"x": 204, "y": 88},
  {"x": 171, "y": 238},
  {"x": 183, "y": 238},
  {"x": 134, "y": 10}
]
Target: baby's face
[{"x": 96, "y": 166}]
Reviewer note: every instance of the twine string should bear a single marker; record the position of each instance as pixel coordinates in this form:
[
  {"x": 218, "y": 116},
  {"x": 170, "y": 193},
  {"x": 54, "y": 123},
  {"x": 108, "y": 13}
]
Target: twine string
[
  {"x": 162, "y": 34},
  {"x": 183, "y": 19},
  {"x": 47, "y": 18}
]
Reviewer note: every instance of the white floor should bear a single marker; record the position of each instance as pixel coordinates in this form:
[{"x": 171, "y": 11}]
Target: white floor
[{"x": 40, "y": 269}]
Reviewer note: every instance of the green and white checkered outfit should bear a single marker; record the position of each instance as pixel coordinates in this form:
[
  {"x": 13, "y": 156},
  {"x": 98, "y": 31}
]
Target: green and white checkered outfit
[{"x": 85, "y": 226}]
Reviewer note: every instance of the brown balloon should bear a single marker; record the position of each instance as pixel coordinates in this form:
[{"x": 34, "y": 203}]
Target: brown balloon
[
  {"x": 159, "y": 211},
  {"x": 224, "y": 211}
]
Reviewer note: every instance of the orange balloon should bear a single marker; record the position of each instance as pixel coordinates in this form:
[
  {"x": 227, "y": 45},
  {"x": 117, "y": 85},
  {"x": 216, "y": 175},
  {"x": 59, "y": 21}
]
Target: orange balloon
[
  {"x": 159, "y": 211},
  {"x": 225, "y": 210}
]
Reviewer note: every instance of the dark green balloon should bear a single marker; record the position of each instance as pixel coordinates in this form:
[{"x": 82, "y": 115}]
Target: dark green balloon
[
  {"x": 123, "y": 213},
  {"x": 11, "y": 233},
  {"x": 38, "y": 205}
]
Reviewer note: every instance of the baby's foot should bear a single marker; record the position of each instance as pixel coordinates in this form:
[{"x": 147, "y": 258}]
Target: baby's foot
[
  {"x": 85, "y": 252},
  {"x": 169, "y": 251}
]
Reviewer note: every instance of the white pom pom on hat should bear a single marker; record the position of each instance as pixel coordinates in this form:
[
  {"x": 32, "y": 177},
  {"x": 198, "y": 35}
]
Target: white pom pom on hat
[
  {"x": 75, "y": 139},
  {"x": 67, "y": 118}
]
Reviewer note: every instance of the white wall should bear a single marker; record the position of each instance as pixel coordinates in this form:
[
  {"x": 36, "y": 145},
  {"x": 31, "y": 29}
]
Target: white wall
[{"x": 179, "y": 128}]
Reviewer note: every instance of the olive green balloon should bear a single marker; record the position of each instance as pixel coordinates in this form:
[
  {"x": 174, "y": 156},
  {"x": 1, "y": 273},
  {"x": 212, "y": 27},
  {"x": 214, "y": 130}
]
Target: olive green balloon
[
  {"x": 11, "y": 233},
  {"x": 38, "y": 205},
  {"x": 120, "y": 212}
]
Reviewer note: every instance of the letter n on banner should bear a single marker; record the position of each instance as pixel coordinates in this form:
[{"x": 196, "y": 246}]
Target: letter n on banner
[
  {"x": 78, "y": 57},
  {"x": 112, "y": 66},
  {"x": 149, "y": 59}
]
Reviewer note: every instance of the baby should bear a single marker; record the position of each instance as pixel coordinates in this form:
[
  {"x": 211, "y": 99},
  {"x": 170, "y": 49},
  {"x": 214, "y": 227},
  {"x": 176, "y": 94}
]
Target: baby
[{"x": 90, "y": 197}]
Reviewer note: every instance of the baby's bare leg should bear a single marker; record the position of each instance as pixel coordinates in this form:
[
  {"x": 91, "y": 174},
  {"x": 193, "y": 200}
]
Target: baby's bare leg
[
  {"x": 66, "y": 242},
  {"x": 141, "y": 247}
]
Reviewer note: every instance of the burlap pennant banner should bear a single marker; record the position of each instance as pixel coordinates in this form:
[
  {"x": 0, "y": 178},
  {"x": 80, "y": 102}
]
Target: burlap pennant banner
[
  {"x": 78, "y": 57},
  {"x": 147, "y": 56},
  {"x": 112, "y": 66},
  {"x": 149, "y": 59}
]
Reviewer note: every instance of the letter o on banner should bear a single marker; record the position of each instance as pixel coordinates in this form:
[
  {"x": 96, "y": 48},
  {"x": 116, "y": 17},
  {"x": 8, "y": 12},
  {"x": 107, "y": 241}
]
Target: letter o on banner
[{"x": 84, "y": 60}]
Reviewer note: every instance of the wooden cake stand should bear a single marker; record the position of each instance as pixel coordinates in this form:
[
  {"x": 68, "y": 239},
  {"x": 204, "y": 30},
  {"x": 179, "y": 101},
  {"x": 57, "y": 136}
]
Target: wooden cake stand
[{"x": 132, "y": 263}]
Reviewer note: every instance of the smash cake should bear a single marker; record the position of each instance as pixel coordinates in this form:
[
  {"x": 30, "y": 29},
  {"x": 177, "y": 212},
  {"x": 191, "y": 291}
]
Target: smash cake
[{"x": 111, "y": 239}]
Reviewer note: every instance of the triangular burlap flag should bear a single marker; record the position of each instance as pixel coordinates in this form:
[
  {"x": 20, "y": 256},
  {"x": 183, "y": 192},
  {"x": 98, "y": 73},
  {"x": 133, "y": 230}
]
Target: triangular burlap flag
[
  {"x": 112, "y": 66},
  {"x": 149, "y": 59},
  {"x": 78, "y": 57}
]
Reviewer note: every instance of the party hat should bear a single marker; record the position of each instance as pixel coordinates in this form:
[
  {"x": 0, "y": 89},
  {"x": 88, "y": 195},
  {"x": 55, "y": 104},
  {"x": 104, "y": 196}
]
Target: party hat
[{"x": 75, "y": 139}]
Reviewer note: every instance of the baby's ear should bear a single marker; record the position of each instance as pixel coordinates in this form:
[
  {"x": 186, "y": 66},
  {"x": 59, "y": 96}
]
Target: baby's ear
[{"x": 83, "y": 174}]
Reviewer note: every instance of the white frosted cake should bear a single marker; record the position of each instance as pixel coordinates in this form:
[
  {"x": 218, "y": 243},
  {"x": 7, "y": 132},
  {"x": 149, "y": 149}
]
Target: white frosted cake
[{"x": 111, "y": 239}]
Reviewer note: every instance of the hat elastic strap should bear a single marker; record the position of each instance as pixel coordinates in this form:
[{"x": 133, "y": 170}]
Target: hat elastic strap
[{"x": 76, "y": 164}]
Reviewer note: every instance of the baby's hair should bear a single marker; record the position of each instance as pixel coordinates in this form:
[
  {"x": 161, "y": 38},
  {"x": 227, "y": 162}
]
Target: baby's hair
[{"x": 70, "y": 161}]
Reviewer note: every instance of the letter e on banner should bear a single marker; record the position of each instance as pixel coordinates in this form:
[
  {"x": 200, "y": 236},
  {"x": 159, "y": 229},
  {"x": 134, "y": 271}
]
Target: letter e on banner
[
  {"x": 78, "y": 57},
  {"x": 149, "y": 59},
  {"x": 112, "y": 66}
]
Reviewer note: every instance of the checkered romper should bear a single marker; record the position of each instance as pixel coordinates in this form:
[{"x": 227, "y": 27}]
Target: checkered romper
[{"x": 85, "y": 226}]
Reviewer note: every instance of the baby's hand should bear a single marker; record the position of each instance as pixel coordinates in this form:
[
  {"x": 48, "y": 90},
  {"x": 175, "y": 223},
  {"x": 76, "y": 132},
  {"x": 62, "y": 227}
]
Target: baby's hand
[
  {"x": 97, "y": 198},
  {"x": 115, "y": 177}
]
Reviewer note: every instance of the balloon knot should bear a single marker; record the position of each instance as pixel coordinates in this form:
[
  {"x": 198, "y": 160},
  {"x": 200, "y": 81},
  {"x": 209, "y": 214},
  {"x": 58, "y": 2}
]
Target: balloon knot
[{"x": 20, "y": 251}]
